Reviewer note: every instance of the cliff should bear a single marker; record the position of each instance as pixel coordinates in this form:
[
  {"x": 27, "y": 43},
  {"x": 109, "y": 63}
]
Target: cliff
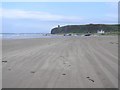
[{"x": 91, "y": 28}]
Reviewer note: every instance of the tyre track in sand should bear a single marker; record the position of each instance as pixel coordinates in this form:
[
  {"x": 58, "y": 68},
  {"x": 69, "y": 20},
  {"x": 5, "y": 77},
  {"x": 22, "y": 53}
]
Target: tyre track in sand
[{"x": 72, "y": 62}]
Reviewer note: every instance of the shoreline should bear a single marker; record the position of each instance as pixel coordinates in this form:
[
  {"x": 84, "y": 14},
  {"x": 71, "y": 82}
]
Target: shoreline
[{"x": 56, "y": 36}]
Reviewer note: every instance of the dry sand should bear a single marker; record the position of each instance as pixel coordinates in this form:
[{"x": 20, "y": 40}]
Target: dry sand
[{"x": 73, "y": 62}]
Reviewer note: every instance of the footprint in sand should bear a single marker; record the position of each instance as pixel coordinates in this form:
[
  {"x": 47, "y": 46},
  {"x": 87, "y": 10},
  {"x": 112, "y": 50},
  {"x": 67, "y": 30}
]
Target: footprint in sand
[
  {"x": 90, "y": 79},
  {"x": 87, "y": 77},
  {"x": 111, "y": 42},
  {"x": 4, "y": 61},
  {"x": 66, "y": 65},
  {"x": 32, "y": 72},
  {"x": 9, "y": 69},
  {"x": 63, "y": 74}
]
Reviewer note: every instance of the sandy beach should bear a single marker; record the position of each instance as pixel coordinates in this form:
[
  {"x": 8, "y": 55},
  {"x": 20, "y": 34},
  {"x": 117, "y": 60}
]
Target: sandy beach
[{"x": 68, "y": 62}]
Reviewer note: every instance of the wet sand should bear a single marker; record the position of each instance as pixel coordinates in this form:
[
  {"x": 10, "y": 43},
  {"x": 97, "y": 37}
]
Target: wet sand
[{"x": 73, "y": 62}]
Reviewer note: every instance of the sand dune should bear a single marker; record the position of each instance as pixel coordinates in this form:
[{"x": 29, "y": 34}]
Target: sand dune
[{"x": 74, "y": 62}]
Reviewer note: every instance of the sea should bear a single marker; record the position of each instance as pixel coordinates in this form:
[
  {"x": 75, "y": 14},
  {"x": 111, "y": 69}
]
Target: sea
[
  {"x": 25, "y": 35},
  {"x": 32, "y": 35}
]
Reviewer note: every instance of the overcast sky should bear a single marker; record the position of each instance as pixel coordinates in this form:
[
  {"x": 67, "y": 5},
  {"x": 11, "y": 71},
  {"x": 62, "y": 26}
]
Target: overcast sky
[{"x": 41, "y": 17}]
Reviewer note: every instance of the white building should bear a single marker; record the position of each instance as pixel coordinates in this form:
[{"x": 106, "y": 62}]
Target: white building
[{"x": 101, "y": 31}]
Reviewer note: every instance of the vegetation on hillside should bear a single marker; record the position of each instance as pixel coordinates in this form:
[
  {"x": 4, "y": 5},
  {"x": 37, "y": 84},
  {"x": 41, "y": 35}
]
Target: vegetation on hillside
[{"x": 91, "y": 28}]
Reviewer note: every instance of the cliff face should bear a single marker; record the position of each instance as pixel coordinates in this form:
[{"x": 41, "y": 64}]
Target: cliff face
[{"x": 92, "y": 28}]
